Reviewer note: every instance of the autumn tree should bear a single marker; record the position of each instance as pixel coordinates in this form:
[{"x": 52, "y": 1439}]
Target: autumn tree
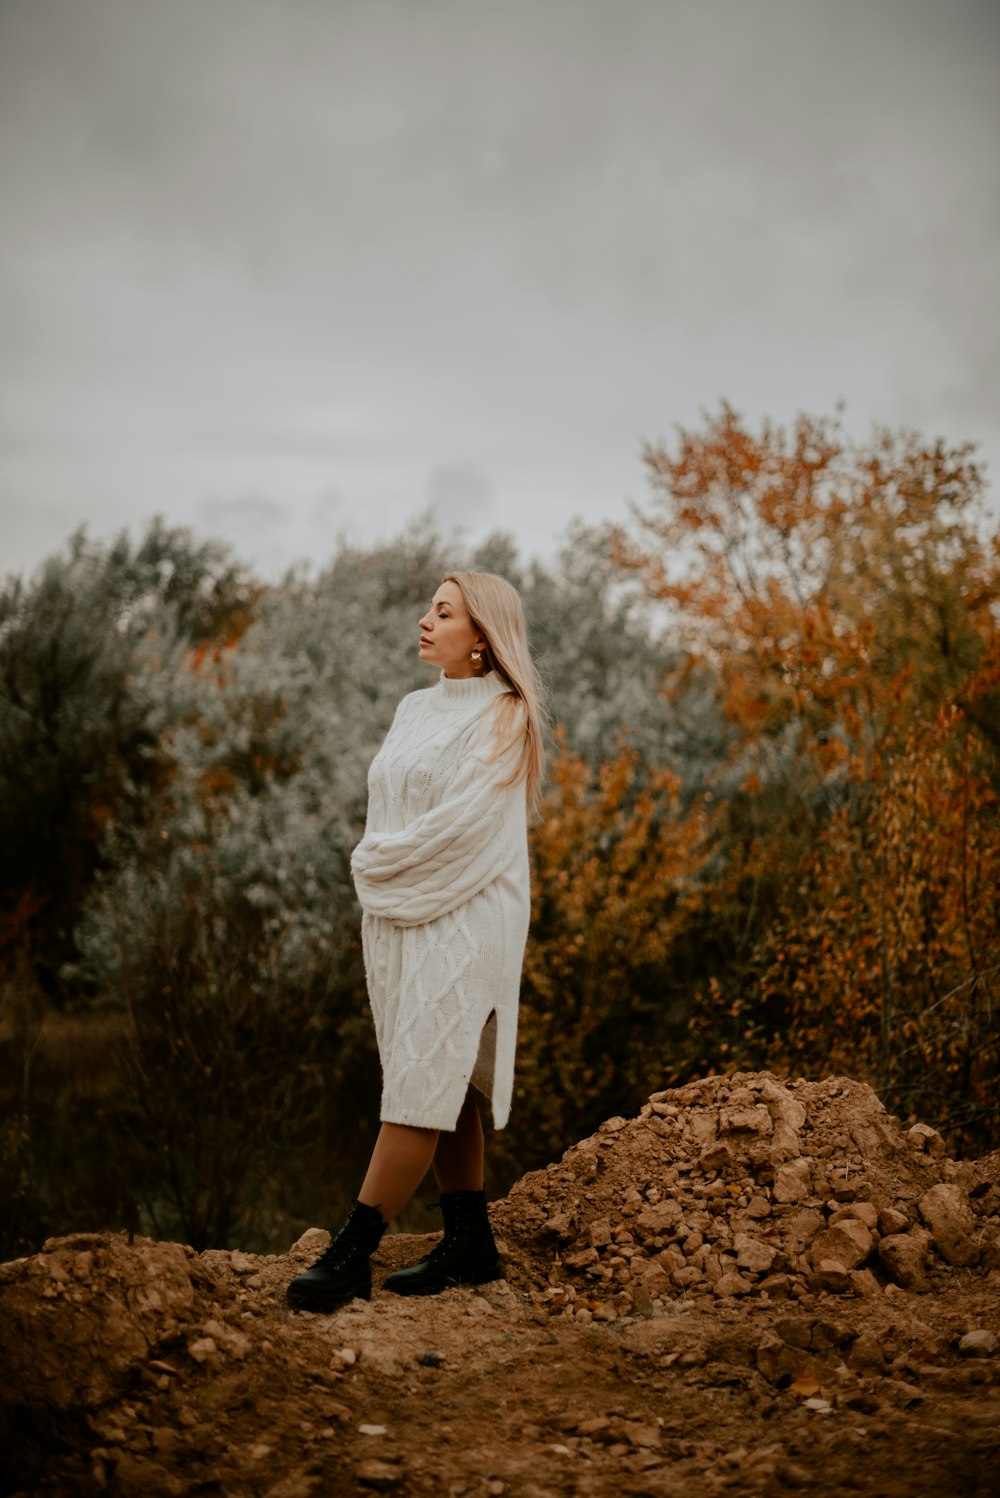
[
  {"x": 615, "y": 873},
  {"x": 843, "y": 596}
]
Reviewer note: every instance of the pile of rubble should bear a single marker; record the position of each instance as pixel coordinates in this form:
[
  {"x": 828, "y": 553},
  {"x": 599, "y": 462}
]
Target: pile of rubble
[{"x": 749, "y": 1186}]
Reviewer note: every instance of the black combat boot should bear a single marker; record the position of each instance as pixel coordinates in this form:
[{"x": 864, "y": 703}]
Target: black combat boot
[
  {"x": 343, "y": 1271},
  {"x": 466, "y": 1255}
]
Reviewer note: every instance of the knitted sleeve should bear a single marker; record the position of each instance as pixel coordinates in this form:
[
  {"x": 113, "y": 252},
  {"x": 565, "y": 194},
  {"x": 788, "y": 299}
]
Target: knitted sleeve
[{"x": 447, "y": 855}]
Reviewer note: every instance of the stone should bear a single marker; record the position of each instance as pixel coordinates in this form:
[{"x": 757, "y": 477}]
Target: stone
[
  {"x": 800, "y": 1228},
  {"x": 865, "y": 1212},
  {"x": 671, "y": 1258},
  {"x": 831, "y": 1277},
  {"x": 947, "y": 1213},
  {"x": 775, "y": 1286},
  {"x": 642, "y": 1301},
  {"x": 758, "y": 1208},
  {"x": 752, "y": 1254},
  {"x": 599, "y": 1232},
  {"x": 796, "y": 1331},
  {"x": 864, "y": 1283},
  {"x": 234, "y": 1343},
  {"x": 660, "y": 1217},
  {"x": 715, "y": 1157},
  {"x": 904, "y": 1258},
  {"x": 779, "y": 1363},
  {"x": 657, "y": 1282},
  {"x": 892, "y": 1221},
  {"x": 312, "y": 1241},
  {"x": 560, "y": 1226},
  {"x": 702, "y": 1127},
  {"x": 792, "y": 1181},
  {"x": 847, "y": 1245},
  {"x": 978, "y": 1344},
  {"x": 754, "y": 1119},
  {"x": 784, "y": 1143},
  {"x": 379, "y": 1475},
  {"x": 782, "y": 1105},
  {"x": 866, "y": 1355},
  {"x": 923, "y": 1137},
  {"x": 686, "y": 1277},
  {"x": 732, "y": 1283}
]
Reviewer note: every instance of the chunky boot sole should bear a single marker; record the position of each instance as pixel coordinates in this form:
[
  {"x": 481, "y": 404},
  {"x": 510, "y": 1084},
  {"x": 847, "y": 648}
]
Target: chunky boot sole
[
  {"x": 426, "y": 1278},
  {"x": 302, "y": 1295}
]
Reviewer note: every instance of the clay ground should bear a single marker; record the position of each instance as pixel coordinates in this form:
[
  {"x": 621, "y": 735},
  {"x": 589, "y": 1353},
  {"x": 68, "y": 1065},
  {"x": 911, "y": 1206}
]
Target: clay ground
[{"x": 667, "y": 1325}]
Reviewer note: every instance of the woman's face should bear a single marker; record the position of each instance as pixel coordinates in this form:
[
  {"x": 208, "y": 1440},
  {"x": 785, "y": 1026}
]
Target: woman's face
[{"x": 447, "y": 635}]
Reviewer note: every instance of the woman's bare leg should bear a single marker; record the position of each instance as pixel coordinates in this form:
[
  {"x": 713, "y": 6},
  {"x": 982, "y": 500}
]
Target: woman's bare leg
[
  {"x": 399, "y": 1162},
  {"x": 458, "y": 1158}
]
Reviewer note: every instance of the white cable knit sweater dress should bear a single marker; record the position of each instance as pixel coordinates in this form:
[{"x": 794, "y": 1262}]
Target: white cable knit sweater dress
[{"x": 442, "y": 877}]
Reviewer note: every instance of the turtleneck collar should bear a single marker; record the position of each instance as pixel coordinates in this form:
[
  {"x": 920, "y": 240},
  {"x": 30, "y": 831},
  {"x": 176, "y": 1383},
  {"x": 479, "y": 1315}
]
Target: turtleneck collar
[{"x": 470, "y": 688}]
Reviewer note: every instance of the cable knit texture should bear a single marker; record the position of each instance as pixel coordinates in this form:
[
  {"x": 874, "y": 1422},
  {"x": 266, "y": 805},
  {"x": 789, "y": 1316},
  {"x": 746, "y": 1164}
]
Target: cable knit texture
[{"x": 442, "y": 876}]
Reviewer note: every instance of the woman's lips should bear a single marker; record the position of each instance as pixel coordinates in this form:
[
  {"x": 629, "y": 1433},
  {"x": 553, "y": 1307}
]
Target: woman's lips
[{"x": 424, "y": 641}]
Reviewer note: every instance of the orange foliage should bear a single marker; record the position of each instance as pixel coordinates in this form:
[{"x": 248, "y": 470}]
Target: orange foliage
[
  {"x": 846, "y": 601},
  {"x": 615, "y": 877},
  {"x": 888, "y": 959}
]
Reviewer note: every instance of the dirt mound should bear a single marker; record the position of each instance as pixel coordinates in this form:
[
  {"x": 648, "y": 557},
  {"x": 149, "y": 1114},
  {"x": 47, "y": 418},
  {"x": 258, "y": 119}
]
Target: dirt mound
[
  {"x": 752, "y": 1287},
  {"x": 745, "y": 1185}
]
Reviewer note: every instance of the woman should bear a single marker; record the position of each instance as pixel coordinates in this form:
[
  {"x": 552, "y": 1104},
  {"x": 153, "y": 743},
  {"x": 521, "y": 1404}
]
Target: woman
[{"x": 442, "y": 877}]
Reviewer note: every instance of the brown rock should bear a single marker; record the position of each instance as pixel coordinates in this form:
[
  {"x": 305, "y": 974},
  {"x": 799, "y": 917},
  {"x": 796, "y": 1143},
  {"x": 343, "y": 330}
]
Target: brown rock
[
  {"x": 560, "y": 1226},
  {"x": 864, "y": 1283},
  {"x": 661, "y": 1217},
  {"x": 301, "y": 1483},
  {"x": 599, "y": 1232},
  {"x": 732, "y": 1283},
  {"x": 831, "y": 1277},
  {"x": 946, "y": 1212},
  {"x": 642, "y": 1301},
  {"x": 784, "y": 1143},
  {"x": 847, "y": 1245},
  {"x": 752, "y": 1254},
  {"x": 978, "y": 1344},
  {"x": 686, "y": 1277},
  {"x": 702, "y": 1128},
  {"x": 892, "y": 1221},
  {"x": 754, "y": 1119},
  {"x": 866, "y": 1354},
  {"x": 904, "y": 1258},
  {"x": 865, "y": 1212},
  {"x": 779, "y": 1363},
  {"x": 923, "y": 1137},
  {"x": 800, "y": 1229},
  {"x": 379, "y": 1475},
  {"x": 582, "y": 1259},
  {"x": 715, "y": 1157},
  {"x": 792, "y": 1181},
  {"x": 776, "y": 1286},
  {"x": 782, "y": 1104}
]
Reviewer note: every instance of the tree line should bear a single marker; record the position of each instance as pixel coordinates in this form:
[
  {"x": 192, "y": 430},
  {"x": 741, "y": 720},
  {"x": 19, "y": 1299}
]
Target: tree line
[{"x": 769, "y": 836}]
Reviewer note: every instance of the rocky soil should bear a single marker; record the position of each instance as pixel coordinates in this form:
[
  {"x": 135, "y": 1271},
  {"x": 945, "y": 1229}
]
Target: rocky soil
[{"x": 754, "y": 1287}]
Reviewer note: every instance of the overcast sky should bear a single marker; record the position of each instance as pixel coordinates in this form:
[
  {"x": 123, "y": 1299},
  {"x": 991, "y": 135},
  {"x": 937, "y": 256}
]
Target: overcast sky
[{"x": 282, "y": 268}]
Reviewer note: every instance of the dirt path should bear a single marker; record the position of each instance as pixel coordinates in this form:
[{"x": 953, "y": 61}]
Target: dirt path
[{"x": 668, "y": 1325}]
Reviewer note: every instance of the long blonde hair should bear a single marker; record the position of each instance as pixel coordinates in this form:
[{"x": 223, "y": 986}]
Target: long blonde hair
[{"x": 495, "y": 609}]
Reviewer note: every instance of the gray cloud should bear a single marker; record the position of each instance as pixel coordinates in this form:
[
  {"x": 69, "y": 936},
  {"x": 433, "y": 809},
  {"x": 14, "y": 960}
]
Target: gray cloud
[{"x": 286, "y": 250}]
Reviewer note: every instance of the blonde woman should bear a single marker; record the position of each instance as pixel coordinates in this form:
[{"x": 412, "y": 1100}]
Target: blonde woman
[{"x": 442, "y": 877}]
